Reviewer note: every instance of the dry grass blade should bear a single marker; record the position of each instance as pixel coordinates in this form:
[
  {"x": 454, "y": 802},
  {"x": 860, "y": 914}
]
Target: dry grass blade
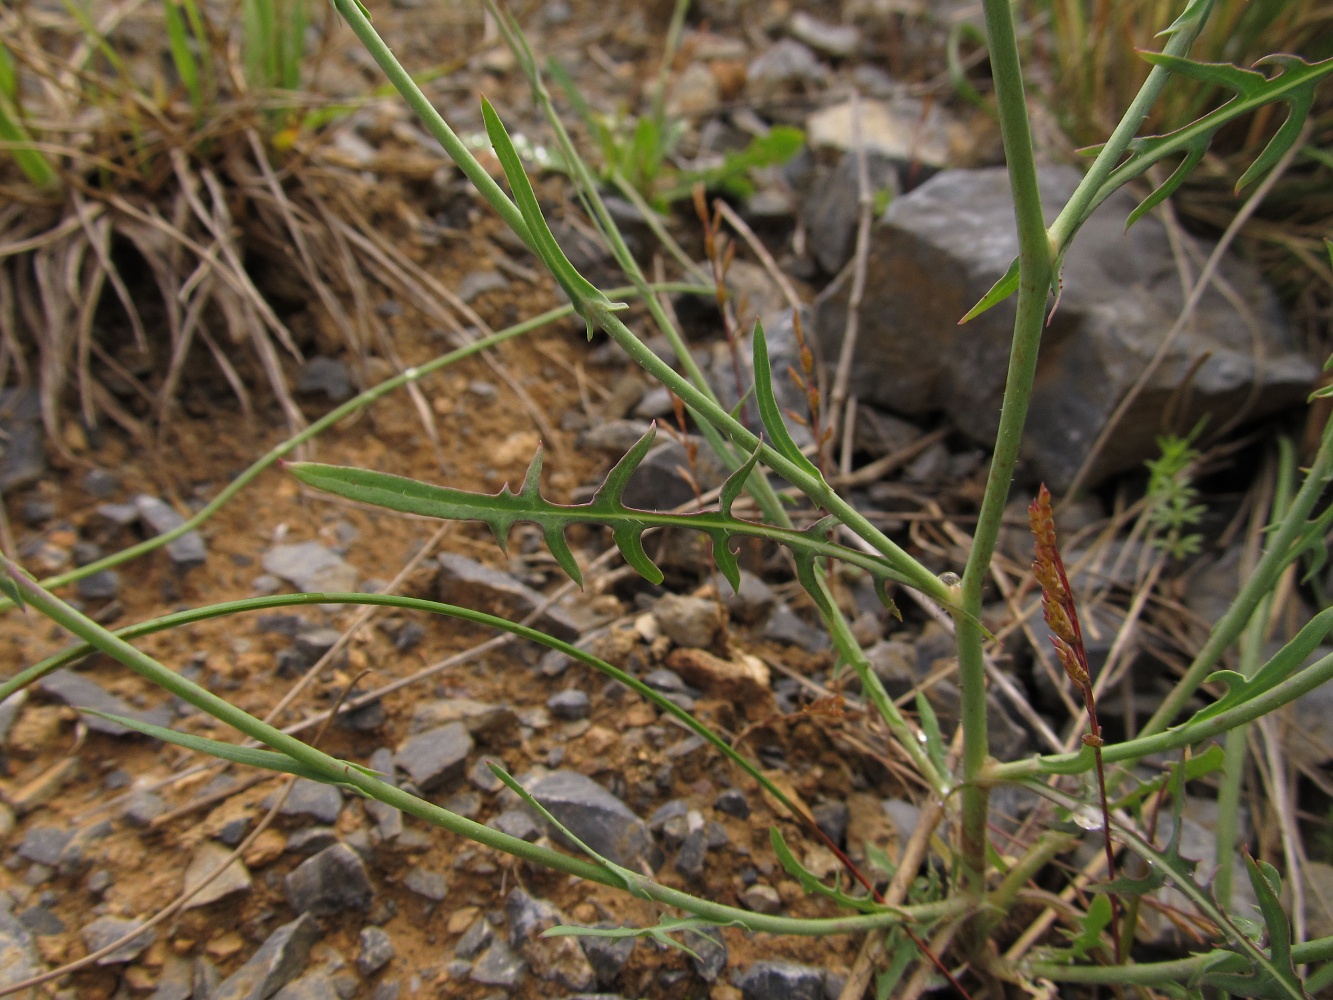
[{"x": 193, "y": 194}]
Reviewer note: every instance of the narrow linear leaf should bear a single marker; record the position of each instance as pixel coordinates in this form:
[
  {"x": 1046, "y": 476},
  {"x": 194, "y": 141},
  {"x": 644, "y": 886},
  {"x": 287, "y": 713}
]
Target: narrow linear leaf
[
  {"x": 1001, "y": 290},
  {"x": 1284, "y": 663},
  {"x": 769, "y": 411},
  {"x": 268, "y": 760},
  {"x": 9, "y": 583},
  {"x": 588, "y": 300},
  {"x": 930, "y": 725},
  {"x": 632, "y": 881},
  {"x": 739, "y": 408}
]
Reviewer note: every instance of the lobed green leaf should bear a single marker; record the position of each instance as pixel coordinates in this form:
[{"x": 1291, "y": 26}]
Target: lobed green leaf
[
  {"x": 1293, "y": 84},
  {"x": 502, "y": 510}
]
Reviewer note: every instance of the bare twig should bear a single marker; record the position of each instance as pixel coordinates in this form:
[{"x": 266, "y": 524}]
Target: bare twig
[{"x": 866, "y": 204}]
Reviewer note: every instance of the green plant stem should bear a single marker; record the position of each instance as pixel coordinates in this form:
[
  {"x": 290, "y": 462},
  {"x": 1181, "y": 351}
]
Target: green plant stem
[
  {"x": 1251, "y": 658},
  {"x": 181, "y": 618},
  {"x": 1173, "y": 739},
  {"x": 655, "y": 223},
  {"x": 1278, "y": 554},
  {"x": 1034, "y": 279},
  {"x": 354, "y": 404},
  {"x": 1180, "y": 970},
  {"x": 356, "y": 17},
  {"x": 908, "y": 736},
  {"x": 1049, "y": 845},
  {"x": 1089, "y": 192},
  {"x": 700, "y": 400},
  {"x": 336, "y": 771},
  {"x": 758, "y": 484}
]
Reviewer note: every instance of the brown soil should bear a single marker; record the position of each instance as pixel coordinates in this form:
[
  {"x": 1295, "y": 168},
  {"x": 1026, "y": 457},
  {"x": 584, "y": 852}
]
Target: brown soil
[{"x": 483, "y": 443}]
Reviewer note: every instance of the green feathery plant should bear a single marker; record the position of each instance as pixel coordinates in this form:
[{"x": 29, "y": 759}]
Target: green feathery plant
[
  {"x": 1172, "y": 496},
  {"x": 1251, "y": 955}
]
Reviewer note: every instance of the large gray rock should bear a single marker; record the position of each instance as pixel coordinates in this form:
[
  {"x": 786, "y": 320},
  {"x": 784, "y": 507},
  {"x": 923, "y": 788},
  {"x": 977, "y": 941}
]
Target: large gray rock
[
  {"x": 209, "y": 857},
  {"x": 938, "y": 249},
  {"x": 22, "y": 452},
  {"x": 437, "y": 757},
  {"x": 175, "y": 981},
  {"x": 499, "y": 966},
  {"x": 376, "y": 951},
  {"x": 597, "y": 818},
  {"x": 832, "y": 209},
  {"x": 317, "y": 985},
  {"x": 472, "y": 584},
  {"x": 185, "y": 552},
  {"x": 105, "y": 931},
  {"x": 782, "y": 981},
  {"x": 19, "y": 958},
  {"x": 277, "y": 962},
  {"x": 332, "y": 881},
  {"x": 81, "y": 691},
  {"x": 311, "y": 568}
]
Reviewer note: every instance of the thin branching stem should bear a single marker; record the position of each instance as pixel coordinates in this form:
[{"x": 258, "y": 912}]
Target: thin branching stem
[{"x": 1035, "y": 264}]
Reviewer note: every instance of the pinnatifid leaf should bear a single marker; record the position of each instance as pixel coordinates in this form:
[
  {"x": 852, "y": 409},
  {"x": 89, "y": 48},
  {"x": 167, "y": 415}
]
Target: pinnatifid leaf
[
  {"x": 1170, "y": 865},
  {"x": 502, "y": 510},
  {"x": 1293, "y": 84},
  {"x": 811, "y": 883},
  {"x": 1088, "y": 938},
  {"x": 1198, "y": 766}
]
